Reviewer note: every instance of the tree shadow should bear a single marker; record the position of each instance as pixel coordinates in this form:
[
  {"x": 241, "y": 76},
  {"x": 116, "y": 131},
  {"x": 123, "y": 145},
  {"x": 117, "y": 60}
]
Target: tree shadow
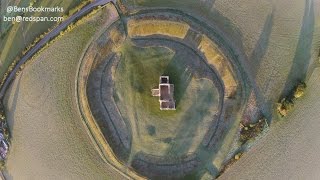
[
  {"x": 261, "y": 46},
  {"x": 302, "y": 57},
  {"x": 256, "y": 58}
]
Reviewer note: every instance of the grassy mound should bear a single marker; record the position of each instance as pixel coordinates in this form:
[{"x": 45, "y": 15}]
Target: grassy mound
[{"x": 163, "y": 132}]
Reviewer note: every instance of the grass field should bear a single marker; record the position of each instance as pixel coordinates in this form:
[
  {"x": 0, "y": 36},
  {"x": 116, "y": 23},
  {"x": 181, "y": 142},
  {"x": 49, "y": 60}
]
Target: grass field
[
  {"x": 16, "y": 37},
  {"x": 49, "y": 139},
  {"x": 163, "y": 132},
  {"x": 290, "y": 150}
]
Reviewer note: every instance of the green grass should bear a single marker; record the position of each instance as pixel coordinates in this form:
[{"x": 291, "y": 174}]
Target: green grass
[
  {"x": 155, "y": 131},
  {"x": 144, "y": 67}
]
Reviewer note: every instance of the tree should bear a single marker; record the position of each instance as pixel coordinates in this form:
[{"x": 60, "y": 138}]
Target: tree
[
  {"x": 299, "y": 90},
  {"x": 284, "y": 107}
]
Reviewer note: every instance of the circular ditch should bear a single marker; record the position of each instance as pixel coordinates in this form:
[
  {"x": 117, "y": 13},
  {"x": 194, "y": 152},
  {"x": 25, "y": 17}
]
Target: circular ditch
[{"x": 122, "y": 67}]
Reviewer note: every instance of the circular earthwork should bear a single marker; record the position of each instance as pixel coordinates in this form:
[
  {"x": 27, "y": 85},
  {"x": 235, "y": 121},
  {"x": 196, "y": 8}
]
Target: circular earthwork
[{"x": 123, "y": 65}]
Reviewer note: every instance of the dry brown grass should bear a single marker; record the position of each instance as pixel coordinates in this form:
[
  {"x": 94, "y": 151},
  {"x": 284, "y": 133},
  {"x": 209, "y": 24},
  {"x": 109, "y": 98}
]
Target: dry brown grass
[
  {"x": 216, "y": 59},
  {"x": 117, "y": 37},
  {"x": 151, "y": 27}
]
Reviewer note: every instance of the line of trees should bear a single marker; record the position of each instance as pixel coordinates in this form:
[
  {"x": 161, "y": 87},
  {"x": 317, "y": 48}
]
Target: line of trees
[{"x": 286, "y": 104}]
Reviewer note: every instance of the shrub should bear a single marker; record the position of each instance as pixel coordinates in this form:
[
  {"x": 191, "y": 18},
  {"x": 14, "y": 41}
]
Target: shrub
[
  {"x": 284, "y": 107},
  {"x": 251, "y": 131},
  {"x": 286, "y": 104},
  {"x": 299, "y": 90},
  {"x": 238, "y": 156}
]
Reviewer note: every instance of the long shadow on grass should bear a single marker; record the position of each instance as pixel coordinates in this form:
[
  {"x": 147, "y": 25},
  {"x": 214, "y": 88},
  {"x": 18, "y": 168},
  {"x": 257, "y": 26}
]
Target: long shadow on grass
[
  {"x": 302, "y": 56},
  {"x": 256, "y": 58},
  {"x": 261, "y": 46},
  {"x": 180, "y": 76}
]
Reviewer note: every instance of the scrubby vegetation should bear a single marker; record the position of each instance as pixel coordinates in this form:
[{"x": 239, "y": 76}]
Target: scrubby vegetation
[
  {"x": 4, "y": 131},
  {"x": 250, "y": 131},
  {"x": 286, "y": 104},
  {"x": 299, "y": 90}
]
